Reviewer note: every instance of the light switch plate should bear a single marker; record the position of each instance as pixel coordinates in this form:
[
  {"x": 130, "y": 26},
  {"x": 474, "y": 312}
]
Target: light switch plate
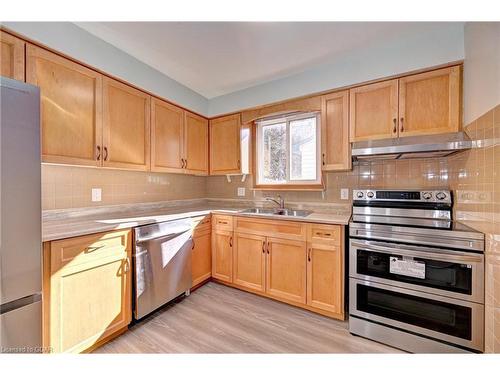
[
  {"x": 241, "y": 192},
  {"x": 96, "y": 194},
  {"x": 344, "y": 193}
]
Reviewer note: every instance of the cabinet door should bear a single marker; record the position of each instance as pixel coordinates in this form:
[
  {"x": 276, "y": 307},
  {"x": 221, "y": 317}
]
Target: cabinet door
[
  {"x": 125, "y": 126},
  {"x": 429, "y": 103},
  {"x": 167, "y": 135},
  {"x": 89, "y": 297},
  {"x": 225, "y": 154},
  {"x": 222, "y": 255},
  {"x": 325, "y": 287},
  {"x": 249, "y": 267},
  {"x": 335, "y": 145},
  {"x": 196, "y": 144},
  {"x": 374, "y": 111},
  {"x": 11, "y": 56},
  {"x": 286, "y": 270},
  {"x": 71, "y": 108},
  {"x": 201, "y": 260}
]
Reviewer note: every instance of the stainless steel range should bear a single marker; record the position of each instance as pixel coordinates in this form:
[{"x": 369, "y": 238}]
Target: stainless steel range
[{"x": 416, "y": 278}]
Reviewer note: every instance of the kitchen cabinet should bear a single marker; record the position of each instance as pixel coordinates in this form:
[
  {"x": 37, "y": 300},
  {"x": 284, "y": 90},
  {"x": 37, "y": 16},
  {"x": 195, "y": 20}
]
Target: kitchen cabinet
[
  {"x": 286, "y": 269},
  {"x": 249, "y": 267},
  {"x": 86, "y": 290},
  {"x": 167, "y": 137},
  {"x": 225, "y": 140},
  {"x": 429, "y": 103},
  {"x": 222, "y": 255},
  {"x": 71, "y": 108},
  {"x": 374, "y": 111},
  {"x": 195, "y": 144},
  {"x": 419, "y": 104},
  {"x": 335, "y": 145},
  {"x": 201, "y": 259},
  {"x": 11, "y": 56},
  {"x": 126, "y": 126}
]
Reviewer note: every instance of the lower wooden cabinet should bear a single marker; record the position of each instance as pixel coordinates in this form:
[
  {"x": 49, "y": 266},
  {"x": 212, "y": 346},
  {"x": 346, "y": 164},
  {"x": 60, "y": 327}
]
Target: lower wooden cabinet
[
  {"x": 222, "y": 255},
  {"x": 249, "y": 261},
  {"x": 201, "y": 259},
  {"x": 86, "y": 290}
]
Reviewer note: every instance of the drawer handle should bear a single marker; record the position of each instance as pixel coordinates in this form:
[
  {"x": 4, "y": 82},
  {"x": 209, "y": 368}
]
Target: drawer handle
[
  {"x": 323, "y": 234},
  {"x": 91, "y": 249},
  {"x": 205, "y": 221},
  {"x": 222, "y": 222}
]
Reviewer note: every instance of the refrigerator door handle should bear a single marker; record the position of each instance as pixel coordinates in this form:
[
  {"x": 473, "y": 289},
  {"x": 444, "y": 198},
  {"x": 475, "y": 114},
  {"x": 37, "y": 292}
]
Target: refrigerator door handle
[{"x": 21, "y": 302}]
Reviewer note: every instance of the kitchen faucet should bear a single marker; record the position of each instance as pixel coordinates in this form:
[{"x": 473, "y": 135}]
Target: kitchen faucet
[{"x": 280, "y": 201}]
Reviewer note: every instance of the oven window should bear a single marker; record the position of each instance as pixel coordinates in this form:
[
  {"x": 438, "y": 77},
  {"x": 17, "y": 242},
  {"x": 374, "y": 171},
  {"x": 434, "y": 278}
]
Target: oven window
[
  {"x": 454, "y": 277},
  {"x": 454, "y": 320}
]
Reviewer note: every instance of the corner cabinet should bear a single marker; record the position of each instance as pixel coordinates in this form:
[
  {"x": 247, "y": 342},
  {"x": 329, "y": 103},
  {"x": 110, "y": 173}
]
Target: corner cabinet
[
  {"x": 11, "y": 56},
  {"x": 225, "y": 140},
  {"x": 71, "y": 108},
  {"x": 86, "y": 290},
  {"x": 335, "y": 145}
]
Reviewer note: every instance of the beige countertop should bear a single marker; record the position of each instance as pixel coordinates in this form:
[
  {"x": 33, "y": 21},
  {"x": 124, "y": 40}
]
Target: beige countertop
[{"x": 71, "y": 223}]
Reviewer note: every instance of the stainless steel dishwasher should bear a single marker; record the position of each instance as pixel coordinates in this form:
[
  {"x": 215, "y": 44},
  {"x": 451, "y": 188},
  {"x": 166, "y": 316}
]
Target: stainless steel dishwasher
[{"x": 162, "y": 263}]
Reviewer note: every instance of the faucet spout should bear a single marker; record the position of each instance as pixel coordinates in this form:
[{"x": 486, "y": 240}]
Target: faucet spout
[{"x": 280, "y": 201}]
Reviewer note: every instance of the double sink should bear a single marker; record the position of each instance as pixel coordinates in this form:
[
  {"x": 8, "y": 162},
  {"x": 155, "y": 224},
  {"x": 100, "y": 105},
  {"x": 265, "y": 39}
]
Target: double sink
[{"x": 276, "y": 212}]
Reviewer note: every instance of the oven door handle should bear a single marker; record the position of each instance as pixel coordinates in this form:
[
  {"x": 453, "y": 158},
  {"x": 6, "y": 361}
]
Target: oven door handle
[{"x": 443, "y": 254}]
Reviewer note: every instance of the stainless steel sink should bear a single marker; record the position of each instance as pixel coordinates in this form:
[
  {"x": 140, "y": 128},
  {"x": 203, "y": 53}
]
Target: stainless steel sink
[{"x": 277, "y": 211}]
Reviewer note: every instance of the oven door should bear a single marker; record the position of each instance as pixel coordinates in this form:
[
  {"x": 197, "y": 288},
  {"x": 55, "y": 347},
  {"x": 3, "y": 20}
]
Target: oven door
[
  {"x": 441, "y": 318},
  {"x": 447, "y": 273}
]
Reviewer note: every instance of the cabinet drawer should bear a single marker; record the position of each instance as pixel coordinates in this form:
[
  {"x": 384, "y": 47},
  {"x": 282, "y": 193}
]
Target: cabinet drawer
[
  {"x": 274, "y": 228},
  {"x": 223, "y": 222},
  {"x": 323, "y": 233},
  {"x": 202, "y": 223},
  {"x": 85, "y": 249}
]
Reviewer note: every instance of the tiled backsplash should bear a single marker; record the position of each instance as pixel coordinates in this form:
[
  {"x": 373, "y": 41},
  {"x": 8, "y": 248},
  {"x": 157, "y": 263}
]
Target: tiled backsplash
[{"x": 70, "y": 187}]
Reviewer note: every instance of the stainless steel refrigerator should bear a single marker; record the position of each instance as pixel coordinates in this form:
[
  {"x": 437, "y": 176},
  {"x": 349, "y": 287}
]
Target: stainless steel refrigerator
[{"x": 20, "y": 219}]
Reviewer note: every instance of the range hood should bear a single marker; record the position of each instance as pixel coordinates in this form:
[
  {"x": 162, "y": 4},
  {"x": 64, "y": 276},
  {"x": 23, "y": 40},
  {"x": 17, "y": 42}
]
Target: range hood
[{"x": 425, "y": 146}]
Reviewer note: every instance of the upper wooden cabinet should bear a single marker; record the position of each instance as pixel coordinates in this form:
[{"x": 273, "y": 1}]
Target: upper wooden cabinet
[
  {"x": 225, "y": 153},
  {"x": 71, "y": 108},
  {"x": 335, "y": 145},
  {"x": 195, "y": 144},
  {"x": 167, "y": 137},
  {"x": 126, "y": 136},
  {"x": 374, "y": 111},
  {"x": 420, "y": 104},
  {"x": 11, "y": 56},
  {"x": 429, "y": 103}
]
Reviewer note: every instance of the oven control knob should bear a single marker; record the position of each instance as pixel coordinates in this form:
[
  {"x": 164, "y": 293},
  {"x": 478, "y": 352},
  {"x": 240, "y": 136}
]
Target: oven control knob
[
  {"x": 441, "y": 195},
  {"x": 370, "y": 194},
  {"x": 427, "y": 195},
  {"x": 359, "y": 194}
]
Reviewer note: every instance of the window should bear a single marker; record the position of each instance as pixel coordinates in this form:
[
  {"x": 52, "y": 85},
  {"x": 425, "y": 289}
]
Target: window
[{"x": 288, "y": 150}]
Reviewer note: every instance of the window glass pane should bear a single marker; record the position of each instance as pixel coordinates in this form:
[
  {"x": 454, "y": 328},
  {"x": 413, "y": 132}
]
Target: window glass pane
[
  {"x": 274, "y": 154},
  {"x": 303, "y": 149}
]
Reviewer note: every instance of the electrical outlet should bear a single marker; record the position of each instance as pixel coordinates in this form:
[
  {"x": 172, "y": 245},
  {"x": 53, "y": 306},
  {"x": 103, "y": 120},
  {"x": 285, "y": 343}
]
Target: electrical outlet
[
  {"x": 344, "y": 193},
  {"x": 241, "y": 192},
  {"x": 96, "y": 194}
]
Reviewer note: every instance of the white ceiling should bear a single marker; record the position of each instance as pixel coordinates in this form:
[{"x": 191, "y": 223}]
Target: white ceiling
[{"x": 216, "y": 58}]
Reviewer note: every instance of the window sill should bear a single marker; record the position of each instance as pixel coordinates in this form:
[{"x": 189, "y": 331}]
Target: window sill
[{"x": 316, "y": 187}]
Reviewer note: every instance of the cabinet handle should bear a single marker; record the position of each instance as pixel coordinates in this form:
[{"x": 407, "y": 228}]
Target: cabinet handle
[
  {"x": 127, "y": 266},
  {"x": 323, "y": 159},
  {"x": 185, "y": 163},
  {"x": 192, "y": 247},
  {"x": 231, "y": 241},
  {"x": 309, "y": 255},
  {"x": 239, "y": 164},
  {"x": 268, "y": 246},
  {"x": 395, "y": 128},
  {"x": 105, "y": 153},
  {"x": 402, "y": 128},
  {"x": 222, "y": 222},
  {"x": 263, "y": 247},
  {"x": 323, "y": 234},
  {"x": 182, "y": 163},
  {"x": 98, "y": 157}
]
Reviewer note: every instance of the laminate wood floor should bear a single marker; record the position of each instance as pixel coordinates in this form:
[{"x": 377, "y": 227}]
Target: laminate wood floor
[{"x": 219, "y": 319}]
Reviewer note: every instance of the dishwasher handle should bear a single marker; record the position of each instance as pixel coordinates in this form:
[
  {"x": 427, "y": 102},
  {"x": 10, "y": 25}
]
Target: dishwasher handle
[{"x": 164, "y": 237}]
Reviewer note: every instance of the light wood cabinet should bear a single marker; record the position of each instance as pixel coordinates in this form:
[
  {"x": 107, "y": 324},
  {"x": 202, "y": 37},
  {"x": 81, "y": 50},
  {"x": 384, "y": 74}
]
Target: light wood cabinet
[
  {"x": 374, "y": 111},
  {"x": 196, "y": 144},
  {"x": 335, "y": 145},
  {"x": 225, "y": 141},
  {"x": 222, "y": 255},
  {"x": 201, "y": 259},
  {"x": 87, "y": 290},
  {"x": 11, "y": 56},
  {"x": 429, "y": 103},
  {"x": 286, "y": 269},
  {"x": 126, "y": 126},
  {"x": 71, "y": 108},
  {"x": 249, "y": 266},
  {"x": 167, "y": 137}
]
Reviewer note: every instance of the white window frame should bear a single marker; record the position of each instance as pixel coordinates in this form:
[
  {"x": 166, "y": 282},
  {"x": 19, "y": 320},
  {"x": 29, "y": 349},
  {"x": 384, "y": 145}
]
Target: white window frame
[{"x": 259, "y": 148}]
